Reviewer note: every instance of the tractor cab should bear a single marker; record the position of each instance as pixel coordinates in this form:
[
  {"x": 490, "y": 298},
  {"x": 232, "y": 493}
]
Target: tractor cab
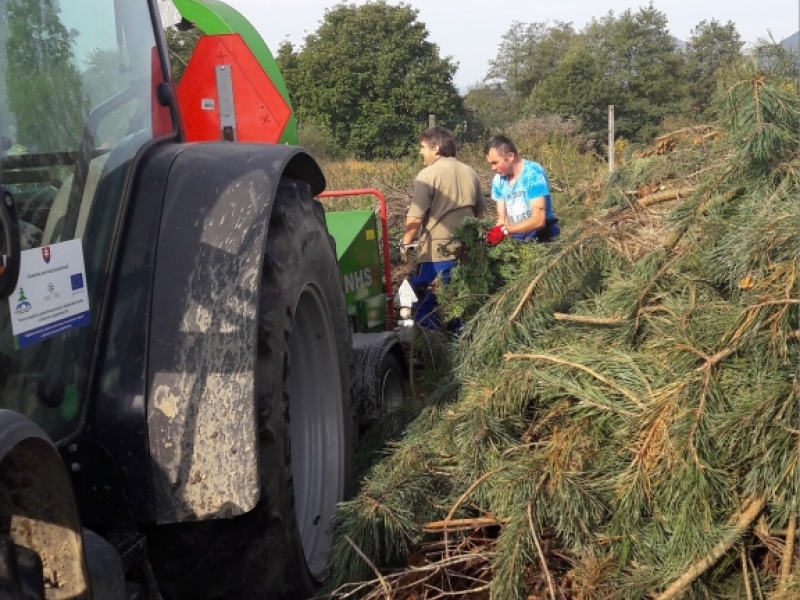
[{"x": 77, "y": 103}]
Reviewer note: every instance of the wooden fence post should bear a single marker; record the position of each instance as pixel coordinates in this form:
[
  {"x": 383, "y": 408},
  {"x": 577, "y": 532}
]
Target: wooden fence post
[{"x": 611, "y": 157}]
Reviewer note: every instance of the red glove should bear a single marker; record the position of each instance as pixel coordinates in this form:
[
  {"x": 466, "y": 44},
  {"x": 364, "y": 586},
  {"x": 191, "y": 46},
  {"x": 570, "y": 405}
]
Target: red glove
[{"x": 496, "y": 234}]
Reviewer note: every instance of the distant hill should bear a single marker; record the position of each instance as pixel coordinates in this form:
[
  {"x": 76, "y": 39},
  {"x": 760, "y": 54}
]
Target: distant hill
[{"x": 792, "y": 43}]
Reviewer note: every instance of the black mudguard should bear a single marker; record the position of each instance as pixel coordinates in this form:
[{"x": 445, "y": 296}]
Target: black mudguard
[{"x": 203, "y": 329}]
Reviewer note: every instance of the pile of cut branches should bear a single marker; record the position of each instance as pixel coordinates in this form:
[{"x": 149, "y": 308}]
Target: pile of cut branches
[{"x": 624, "y": 416}]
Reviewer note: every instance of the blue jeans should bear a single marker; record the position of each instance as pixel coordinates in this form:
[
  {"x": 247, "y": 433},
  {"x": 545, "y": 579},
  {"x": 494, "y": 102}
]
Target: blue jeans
[{"x": 426, "y": 314}]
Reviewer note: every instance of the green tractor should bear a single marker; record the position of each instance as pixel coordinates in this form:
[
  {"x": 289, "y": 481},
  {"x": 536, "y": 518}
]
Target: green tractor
[
  {"x": 232, "y": 89},
  {"x": 182, "y": 377}
]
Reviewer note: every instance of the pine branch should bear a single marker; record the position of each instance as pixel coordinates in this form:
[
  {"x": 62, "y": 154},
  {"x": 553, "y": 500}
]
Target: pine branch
[
  {"x": 745, "y": 572},
  {"x": 462, "y": 524},
  {"x": 665, "y": 196},
  {"x": 636, "y": 313},
  {"x": 751, "y": 314},
  {"x": 470, "y": 489},
  {"x": 697, "y": 569},
  {"x": 774, "y": 303},
  {"x": 372, "y": 566},
  {"x": 572, "y": 365},
  {"x": 542, "y": 558},
  {"x": 578, "y": 243},
  {"x": 714, "y": 360},
  {"x": 698, "y": 417},
  {"x": 724, "y": 199},
  {"x": 584, "y": 320},
  {"x": 676, "y": 236},
  {"x": 464, "y": 496},
  {"x": 788, "y": 554}
]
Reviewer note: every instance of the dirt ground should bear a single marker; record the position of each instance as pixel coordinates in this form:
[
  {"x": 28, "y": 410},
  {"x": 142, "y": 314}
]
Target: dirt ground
[{"x": 396, "y": 210}]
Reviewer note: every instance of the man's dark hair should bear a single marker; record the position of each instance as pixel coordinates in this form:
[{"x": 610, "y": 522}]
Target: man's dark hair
[
  {"x": 502, "y": 144},
  {"x": 439, "y": 136}
]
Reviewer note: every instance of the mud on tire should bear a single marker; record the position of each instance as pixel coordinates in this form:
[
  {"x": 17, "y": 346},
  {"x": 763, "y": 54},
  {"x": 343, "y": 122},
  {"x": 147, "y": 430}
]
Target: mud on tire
[{"x": 306, "y": 427}]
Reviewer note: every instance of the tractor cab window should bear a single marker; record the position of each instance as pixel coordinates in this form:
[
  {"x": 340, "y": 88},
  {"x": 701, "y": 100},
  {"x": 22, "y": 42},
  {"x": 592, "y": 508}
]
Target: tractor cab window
[{"x": 77, "y": 103}]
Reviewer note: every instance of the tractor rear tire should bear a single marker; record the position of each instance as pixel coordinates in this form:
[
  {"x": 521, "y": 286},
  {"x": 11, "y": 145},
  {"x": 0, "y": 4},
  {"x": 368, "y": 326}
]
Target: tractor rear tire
[{"x": 306, "y": 428}]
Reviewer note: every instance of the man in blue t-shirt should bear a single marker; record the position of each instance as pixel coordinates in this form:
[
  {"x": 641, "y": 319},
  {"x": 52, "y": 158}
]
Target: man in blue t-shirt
[{"x": 522, "y": 193}]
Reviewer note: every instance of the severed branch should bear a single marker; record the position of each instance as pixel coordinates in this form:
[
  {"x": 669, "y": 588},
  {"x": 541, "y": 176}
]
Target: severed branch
[
  {"x": 372, "y": 566},
  {"x": 564, "y": 363},
  {"x": 462, "y": 524},
  {"x": 463, "y": 497},
  {"x": 541, "y": 554},
  {"x": 665, "y": 196},
  {"x": 746, "y": 572},
  {"x": 673, "y": 238},
  {"x": 584, "y": 320},
  {"x": 412, "y": 581},
  {"x": 470, "y": 489},
  {"x": 532, "y": 287},
  {"x": 788, "y": 554},
  {"x": 744, "y": 521},
  {"x": 731, "y": 194}
]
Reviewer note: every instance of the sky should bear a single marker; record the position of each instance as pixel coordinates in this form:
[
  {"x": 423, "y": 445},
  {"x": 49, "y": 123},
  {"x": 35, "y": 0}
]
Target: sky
[{"x": 471, "y": 31}]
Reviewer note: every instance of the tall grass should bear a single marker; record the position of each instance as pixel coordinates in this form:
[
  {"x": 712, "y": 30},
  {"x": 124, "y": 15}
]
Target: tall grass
[{"x": 390, "y": 176}]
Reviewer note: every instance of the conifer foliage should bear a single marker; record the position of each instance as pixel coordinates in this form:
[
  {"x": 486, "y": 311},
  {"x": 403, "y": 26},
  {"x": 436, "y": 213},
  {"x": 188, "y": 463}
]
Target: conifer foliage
[{"x": 626, "y": 423}]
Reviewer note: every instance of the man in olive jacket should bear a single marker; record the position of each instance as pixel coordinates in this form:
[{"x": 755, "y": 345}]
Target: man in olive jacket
[{"x": 446, "y": 191}]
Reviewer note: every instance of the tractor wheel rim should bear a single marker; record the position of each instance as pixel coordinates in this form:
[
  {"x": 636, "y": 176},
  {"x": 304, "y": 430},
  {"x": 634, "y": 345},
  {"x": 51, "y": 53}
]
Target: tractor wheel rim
[{"x": 316, "y": 426}]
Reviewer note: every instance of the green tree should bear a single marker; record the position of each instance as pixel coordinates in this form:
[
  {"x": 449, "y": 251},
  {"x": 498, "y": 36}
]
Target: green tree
[
  {"x": 630, "y": 61},
  {"x": 371, "y": 77},
  {"x": 528, "y": 53},
  {"x": 490, "y": 108},
  {"x": 103, "y": 75},
  {"x": 576, "y": 88},
  {"x": 287, "y": 59},
  {"x": 783, "y": 57},
  {"x": 643, "y": 70},
  {"x": 711, "y": 47},
  {"x": 42, "y": 78},
  {"x": 180, "y": 45}
]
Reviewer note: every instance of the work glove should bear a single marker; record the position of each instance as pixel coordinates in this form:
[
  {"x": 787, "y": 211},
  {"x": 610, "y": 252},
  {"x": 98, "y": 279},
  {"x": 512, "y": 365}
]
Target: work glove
[{"x": 496, "y": 234}]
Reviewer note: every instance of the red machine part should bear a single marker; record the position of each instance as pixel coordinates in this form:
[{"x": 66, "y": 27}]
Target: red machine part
[
  {"x": 161, "y": 117},
  {"x": 387, "y": 265},
  {"x": 224, "y": 94}
]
